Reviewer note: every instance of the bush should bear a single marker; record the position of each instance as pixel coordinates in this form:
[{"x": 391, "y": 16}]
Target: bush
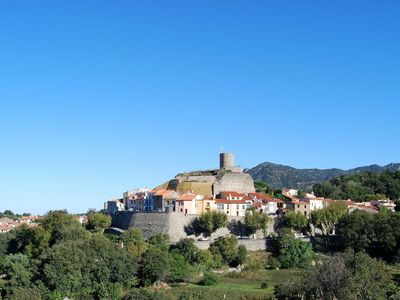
[
  {"x": 209, "y": 279},
  {"x": 273, "y": 263},
  {"x": 264, "y": 285}
]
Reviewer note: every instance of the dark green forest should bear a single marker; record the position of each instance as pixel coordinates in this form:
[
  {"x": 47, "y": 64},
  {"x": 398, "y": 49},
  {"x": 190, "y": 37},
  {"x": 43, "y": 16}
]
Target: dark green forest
[
  {"x": 361, "y": 187},
  {"x": 61, "y": 258}
]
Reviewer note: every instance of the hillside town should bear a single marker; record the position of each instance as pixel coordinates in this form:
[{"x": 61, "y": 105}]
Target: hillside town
[
  {"x": 7, "y": 224},
  {"x": 179, "y": 195}
]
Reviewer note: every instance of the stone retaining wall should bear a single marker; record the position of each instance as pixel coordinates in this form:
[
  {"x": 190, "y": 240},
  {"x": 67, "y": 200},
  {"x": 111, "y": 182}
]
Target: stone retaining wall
[{"x": 173, "y": 224}]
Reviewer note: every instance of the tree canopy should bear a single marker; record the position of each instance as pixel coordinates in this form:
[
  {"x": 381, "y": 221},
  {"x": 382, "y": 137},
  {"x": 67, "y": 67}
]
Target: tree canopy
[{"x": 364, "y": 186}]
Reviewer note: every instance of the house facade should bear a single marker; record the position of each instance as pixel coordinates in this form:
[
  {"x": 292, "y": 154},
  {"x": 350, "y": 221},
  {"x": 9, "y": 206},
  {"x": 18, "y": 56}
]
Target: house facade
[{"x": 186, "y": 203}]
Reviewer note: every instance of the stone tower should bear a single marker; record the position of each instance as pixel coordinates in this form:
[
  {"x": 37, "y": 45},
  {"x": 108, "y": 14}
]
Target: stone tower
[{"x": 226, "y": 160}]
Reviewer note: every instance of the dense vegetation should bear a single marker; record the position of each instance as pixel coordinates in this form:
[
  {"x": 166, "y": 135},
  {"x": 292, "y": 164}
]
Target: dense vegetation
[
  {"x": 376, "y": 234},
  {"x": 346, "y": 275},
  {"x": 363, "y": 186},
  {"x": 280, "y": 176},
  {"x": 62, "y": 258}
]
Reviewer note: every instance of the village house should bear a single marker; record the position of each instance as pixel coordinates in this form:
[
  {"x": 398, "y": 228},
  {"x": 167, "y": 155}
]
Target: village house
[
  {"x": 207, "y": 204},
  {"x": 114, "y": 205},
  {"x": 389, "y": 204},
  {"x": 164, "y": 200},
  {"x": 234, "y": 208},
  {"x": 301, "y": 207},
  {"x": 316, "y": 202},
  {"x": 267, "y": 204},
  {"x": 138, "y": 200},
  {"x": 231, "y": 196},
  {"x": 186, "y": 203}
]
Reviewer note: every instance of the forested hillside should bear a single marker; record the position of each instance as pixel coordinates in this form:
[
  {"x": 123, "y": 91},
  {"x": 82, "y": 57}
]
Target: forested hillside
[
  {"x": 281, "y": 176},
  {"x": 363, "y": 186}
]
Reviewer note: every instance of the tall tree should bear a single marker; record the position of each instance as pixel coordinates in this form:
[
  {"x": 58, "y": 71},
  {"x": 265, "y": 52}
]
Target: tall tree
[
  {"x": 254, "y": 220},
  {"x": 97, "y": 222},
  {"x": 327, "y": 218},
  {"x": 210, "y": 222}
]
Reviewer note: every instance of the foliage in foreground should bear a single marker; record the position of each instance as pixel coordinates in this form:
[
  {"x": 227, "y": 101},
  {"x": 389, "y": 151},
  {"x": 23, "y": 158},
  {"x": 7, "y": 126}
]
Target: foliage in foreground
[
  {"x": 63, "y": 258},
  {"x": 346, "y": 275}
]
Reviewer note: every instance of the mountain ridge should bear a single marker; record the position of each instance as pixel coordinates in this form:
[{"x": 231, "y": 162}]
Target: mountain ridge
[{"x": 282, "y": 176}]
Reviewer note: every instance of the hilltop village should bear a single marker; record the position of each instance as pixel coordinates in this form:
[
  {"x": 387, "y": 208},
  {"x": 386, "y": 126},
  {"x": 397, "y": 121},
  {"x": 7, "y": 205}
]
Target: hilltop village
[{"x": 228, "y": 190}]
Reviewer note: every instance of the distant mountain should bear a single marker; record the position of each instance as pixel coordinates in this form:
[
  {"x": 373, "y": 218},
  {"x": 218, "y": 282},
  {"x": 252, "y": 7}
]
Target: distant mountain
[{"x": 280, "y": 176}]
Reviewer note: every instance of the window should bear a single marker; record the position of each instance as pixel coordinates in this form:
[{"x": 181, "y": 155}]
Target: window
[
  {"x": 243, "y": 207},
  {"x": 237, "y": 206},
  {"x": 298, "y": 205},
  {"x": 227, "y": 212},
  {"x": 305, "y": 206}
]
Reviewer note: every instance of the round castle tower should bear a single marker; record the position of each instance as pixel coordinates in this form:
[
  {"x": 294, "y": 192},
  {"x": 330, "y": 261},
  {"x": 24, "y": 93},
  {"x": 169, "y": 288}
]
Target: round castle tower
[{"x": 226, "y": 160}]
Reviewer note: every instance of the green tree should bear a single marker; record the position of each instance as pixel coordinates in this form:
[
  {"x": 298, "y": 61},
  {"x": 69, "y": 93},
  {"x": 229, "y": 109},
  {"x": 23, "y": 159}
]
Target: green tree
[
  {"x": 254, "y": 220},
  {"x": 187, "y": 249},
  {"x": 227, "y": 248},
  {"x": 241, "y": 255},
  {"x": 18, "y": 273},
  {"x": 261, "y": 186},
  {"x": 134, "y": 242},
  {"x": 97, "y": 222},
  {"x": 327, "y": 218},
  {"x": 210, "y": 222},
  {"x": 180, "y": 269},
  {"x": 155, "y": 266},
  {"x": 62, "y": 226},
  {"x": 377, "y": 234},
  {"x": 297, "y": 221},
  {"x": 348, "y": 275},
  {"x": 206, "y": 259},
  {"x": 209, "y": 279},
  {"x": 84, "y": 268},
  {"x": 161, "y": 241},
  {"x": 293, "y": 252}
]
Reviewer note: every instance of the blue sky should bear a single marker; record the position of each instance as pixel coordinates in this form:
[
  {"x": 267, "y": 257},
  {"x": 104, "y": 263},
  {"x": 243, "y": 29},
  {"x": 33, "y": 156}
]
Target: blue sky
[{"x": 97, "y": 97}]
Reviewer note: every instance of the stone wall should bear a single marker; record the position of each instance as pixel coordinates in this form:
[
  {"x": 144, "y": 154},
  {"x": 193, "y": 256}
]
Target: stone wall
[
  {"x": 250, "y": 244},
  {"x": 239, "y": 182},
  {"x": 173, "y": 224}
]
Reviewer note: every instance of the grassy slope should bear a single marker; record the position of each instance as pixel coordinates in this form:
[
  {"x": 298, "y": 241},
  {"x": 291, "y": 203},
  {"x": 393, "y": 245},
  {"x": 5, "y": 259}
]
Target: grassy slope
[{"x": 245, "y": 285}]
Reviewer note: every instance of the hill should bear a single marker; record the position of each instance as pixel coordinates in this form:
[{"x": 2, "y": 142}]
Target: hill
[{"x": 281, "y": 176}]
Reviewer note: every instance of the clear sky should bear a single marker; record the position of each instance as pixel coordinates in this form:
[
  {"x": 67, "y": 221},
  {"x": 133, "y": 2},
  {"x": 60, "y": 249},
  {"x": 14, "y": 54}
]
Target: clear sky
[{"x": 97, "y": 97}]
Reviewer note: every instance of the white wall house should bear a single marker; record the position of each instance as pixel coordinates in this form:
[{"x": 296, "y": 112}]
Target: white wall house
[{"x": 114, "y": 205}]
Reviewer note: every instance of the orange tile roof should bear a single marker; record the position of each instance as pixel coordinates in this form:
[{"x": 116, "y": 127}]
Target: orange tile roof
[
  {"x": 301, "y": 202},
  {"x": 261, "y": 196},
  {"x": 225, "y": 201},
  {"x": 232, "y": 194},
  {"x": 187, "y": 197}
]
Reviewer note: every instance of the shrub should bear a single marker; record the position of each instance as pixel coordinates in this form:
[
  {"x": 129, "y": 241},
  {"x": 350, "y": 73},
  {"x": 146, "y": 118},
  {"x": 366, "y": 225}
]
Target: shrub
[
  {"x": 264, "y": 285},
  {"x": 273, "y": 263},
  {"x": 209, "y": 279}
]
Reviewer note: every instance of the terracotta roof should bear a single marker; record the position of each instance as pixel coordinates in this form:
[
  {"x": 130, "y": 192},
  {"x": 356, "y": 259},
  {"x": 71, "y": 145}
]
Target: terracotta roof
[
  {"x": 187, "y": 197},
  {"x": 164, "y": 193},
  {"x": 261, "y": 196},
  {"x": 225, "y": 201},
  {"x": 300, "y": 202},
  {"x": 232, "y": 194}
]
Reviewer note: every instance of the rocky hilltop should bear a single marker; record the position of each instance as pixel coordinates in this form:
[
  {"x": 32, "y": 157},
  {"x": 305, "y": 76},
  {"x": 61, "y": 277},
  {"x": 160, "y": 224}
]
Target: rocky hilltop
[{"x": 281, "y": 176}]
